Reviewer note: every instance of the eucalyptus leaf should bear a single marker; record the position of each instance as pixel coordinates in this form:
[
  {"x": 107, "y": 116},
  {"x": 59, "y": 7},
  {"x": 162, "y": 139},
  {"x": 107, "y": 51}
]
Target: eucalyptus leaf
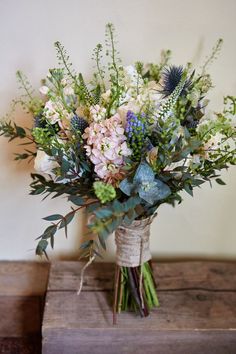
[
  {"x": 53, "y": 217},
  {"x": 76, "y": 200},
  {"x": 126, "y": 187},
  {"x": 41, "y": 247},
  {"x": 144, "y": 173}
]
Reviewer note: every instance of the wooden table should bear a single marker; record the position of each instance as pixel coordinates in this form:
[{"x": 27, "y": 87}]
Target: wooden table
[
  {"x": 197, "y": 313},
  {"x": 22, "y": 289}
]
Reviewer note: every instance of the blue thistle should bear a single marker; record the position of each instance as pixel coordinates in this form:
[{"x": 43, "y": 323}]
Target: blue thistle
[
  {"x": 78, "y": 123},
  {"x": 190, "y": 122},
  {"x": 171, "y": 78},
  {"x": 166, "y": 107},
  {"x": 39, "y": 121}
]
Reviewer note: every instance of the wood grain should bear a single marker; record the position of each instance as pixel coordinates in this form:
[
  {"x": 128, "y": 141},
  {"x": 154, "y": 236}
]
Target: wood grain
[
  {"x": 23, "y": 278},
  {"x": 174, "y": 275},
  {"x": 162, "y": 342},
  {"x": 22, "y": 291},
  {"x": 197, "y": 313},
  {"x": 20, "y": 316}
]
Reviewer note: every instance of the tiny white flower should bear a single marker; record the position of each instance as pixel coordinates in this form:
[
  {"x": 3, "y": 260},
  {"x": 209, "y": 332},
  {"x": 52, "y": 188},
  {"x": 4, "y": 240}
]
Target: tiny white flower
[
  {"x": 44, "y": 90},
  {"x": 68, "y": 91},
  {"x": 131, "y": 76},
  {"x": 106, "y": 95}
]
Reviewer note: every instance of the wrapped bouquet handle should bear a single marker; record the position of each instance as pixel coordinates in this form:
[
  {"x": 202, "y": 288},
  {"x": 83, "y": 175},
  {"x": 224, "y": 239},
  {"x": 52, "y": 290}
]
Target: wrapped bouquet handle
[
  {"x": 134, "y": 282},
  {"x": 132, "y": 242}
]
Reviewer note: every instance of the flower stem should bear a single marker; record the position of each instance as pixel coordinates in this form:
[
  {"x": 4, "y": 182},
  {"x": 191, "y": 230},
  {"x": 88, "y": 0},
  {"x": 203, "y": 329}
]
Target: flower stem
[{"x": 128, "y": 290}]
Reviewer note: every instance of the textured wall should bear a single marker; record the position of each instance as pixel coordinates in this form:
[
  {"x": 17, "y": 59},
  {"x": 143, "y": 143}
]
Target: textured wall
[{"x": 203, "y": 226}]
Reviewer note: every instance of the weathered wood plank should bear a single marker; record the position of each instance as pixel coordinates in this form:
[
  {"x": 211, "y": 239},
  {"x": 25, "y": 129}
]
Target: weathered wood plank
[
  {"x": 197, "y": 313},
  {"x": 174, "y": 275},
  {"x": 22, "y": 290},
  {"x": 179, "y": 310},
  {"x": 23, "y": 278},
  {"x": 162, "y": 342},
  {"x": 20, "y": 316},
  {"x": 187, "y": 322},
  {"x": 23, "y": 345}
]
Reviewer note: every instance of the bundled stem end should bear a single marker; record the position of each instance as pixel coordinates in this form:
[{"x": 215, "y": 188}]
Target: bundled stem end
[{"x": 135, "y": 290}]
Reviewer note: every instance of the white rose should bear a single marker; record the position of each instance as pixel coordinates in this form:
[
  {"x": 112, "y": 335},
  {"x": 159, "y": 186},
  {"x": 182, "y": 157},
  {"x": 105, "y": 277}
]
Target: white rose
[{"x": 44, "y": 163}]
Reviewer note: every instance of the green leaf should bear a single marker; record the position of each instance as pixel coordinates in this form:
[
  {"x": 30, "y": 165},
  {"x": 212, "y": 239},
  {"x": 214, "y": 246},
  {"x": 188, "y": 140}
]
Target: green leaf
[
  {"x": 41, "y": 247},
  {"x": 53, "y": 217},
  {"x": 91, "y": 208},
  {"x": 103, "y": 213},
  {"x": 65, "y": 166},
  {"x": 50, "y": 230},
  {"x": 102, "y": 242},
  {"x": 76, "y": 200},
  {"x": 86, "y": 244},
  {"x": 39, "y": 190},
  {"x": 219, "y": 181},
  {"x": 66, "y": 220},
  {"x": 117, "y": 206},
  {"x": 188, "y": 189},
  {"x": 197, "y": 182},
  {"x": 52, "y": 241}
]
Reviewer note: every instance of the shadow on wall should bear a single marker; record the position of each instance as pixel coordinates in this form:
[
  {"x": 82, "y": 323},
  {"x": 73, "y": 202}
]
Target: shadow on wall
[{"x": 10, "y": 149}]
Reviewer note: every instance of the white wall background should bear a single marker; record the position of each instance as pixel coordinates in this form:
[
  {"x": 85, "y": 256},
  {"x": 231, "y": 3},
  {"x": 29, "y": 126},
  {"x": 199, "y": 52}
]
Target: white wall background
[{"x": 203, "y": 226}]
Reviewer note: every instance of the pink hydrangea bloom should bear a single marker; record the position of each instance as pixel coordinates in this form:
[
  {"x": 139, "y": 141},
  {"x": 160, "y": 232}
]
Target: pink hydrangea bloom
[{"x": 107, "y": 147}]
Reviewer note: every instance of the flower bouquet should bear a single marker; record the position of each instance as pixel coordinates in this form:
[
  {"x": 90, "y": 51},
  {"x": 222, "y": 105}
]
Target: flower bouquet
[{"x": 119, "y": 146}]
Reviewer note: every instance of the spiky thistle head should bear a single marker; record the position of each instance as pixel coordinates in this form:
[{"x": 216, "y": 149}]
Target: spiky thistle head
[
  {"x": 78, "y": 123},
  {"x": 171, "y": 77},
  {"x": 39, "y": 121}
]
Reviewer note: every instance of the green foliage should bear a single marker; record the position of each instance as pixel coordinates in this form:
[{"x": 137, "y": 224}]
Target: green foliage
[
  {"x": 64, "y": 61},
  {"x": 100, "y": 75},
  {"x": 213, "y": 56},
  {"x": 83, "y": 92},
  {"x": 115, "y": 69},
  {"x": 110, "y": 217},
  {"x": 27, "y": 100},
  {"x": 230, "y": 106},
  {"x": 42, "y": 137}
]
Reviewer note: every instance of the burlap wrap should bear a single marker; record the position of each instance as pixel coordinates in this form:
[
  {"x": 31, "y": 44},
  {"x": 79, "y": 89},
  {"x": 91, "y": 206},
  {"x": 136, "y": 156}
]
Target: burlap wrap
[{"x": 132, "y": 242}]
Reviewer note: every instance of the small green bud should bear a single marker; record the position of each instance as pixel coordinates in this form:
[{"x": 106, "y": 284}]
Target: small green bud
[{"x": 104, "y": 192}]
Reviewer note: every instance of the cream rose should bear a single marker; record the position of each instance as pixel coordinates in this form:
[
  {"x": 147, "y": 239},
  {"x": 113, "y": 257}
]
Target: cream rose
[{"x": 45, "y": 164}]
